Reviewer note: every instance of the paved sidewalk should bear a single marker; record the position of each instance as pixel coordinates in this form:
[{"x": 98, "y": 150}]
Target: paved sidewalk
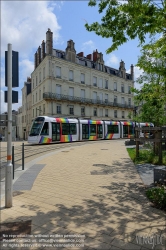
[{"x": 91, "y": 194}]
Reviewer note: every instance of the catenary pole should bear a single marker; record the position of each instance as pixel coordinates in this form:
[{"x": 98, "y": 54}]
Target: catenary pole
[{"x": 9, "y": 167}]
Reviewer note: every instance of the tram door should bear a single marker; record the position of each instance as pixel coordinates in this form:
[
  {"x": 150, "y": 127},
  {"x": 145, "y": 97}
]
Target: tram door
[
  {"x": 127, "y": 130},
  {"x": 85, "y": 131},
  {"x": 55, "y": 131},
  {"x": 99, "y": 131}
]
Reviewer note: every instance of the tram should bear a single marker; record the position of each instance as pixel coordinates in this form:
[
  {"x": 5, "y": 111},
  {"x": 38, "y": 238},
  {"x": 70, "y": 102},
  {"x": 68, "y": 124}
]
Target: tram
[{"x": 52, "y": 129}]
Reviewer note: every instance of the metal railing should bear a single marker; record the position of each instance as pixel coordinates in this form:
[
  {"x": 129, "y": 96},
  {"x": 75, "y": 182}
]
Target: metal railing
[{"x": 75, "y": 99}]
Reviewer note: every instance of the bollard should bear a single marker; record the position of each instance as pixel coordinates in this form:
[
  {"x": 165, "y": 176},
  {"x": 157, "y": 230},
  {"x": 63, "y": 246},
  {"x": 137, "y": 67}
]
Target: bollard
[
  {"x": 22, "y": 156},
  {"x": 13, "y": 160}
]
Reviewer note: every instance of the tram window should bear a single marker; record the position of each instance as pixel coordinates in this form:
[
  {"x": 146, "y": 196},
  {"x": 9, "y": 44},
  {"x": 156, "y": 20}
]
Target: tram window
[
  {"x": 113, "y": 129},
  {"x": 65, "y": 129},
  {"x": 45, "y": 130},
  {"x": 92, "y": 129},
  {"x": 72, "y": 128}
]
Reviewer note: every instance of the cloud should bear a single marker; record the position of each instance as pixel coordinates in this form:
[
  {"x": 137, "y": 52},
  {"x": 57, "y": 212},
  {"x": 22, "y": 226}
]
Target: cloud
[
  {"x": 24, "y": 23},
  {"x": 3, "y": 105},
  {"x": 27, "y": 67},
  {"x": 137, "y": 73},
  {"x": 89, "y": 45},
  {"x": 112, "y": 60}
]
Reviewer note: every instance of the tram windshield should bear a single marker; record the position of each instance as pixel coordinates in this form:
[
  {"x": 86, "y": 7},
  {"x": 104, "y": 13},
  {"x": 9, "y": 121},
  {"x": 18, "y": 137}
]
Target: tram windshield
[{"x": 37, "y": 126}]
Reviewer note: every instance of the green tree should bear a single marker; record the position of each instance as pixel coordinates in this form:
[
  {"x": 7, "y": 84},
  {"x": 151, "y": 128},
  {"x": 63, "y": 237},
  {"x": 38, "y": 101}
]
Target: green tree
[
  {"x": 130, "y": 19},
  {"x": 152, "y": 97}
]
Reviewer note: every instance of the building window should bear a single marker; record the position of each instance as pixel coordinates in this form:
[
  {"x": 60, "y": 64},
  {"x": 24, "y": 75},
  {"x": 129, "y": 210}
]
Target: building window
[
  {"x": 36, "y": 80},
  {"x": 40, "y": 111},
  {"x": 100, "y": 83},
  {"x": 115, "y": 113},
  {"x": 58, "y": 72},
  {"x": 82, "y": 111},
  {"x": 95, "y": 81},
  {"x": 95, "y": 112},
  {"x": 22, "y": 119},
  {"x": 71, "y": 110},
  {"x": 58, "y": 89},
  {"x": 83, "y": 93},
  {"x": 36, "y": 111},
  {"x": 36, "y": 96},
  {"x": 58, "y": 109},
  {"x": 122, "y": 88},
  {"x": 33, "y": 99},
  {"x": 106, "y": 98},
  {"x": 43, "y": 108},
  {"x": 115, "y": 86},
  {"x": 82, "y": 78},
  {"x": 33, "y": 83},
  {"x": 33, "y": 113},
  {"x": 101, "y": 112},
  {"x": 95, "y": 97},
  {"x": 44, "y": 89},
  {"x": 129, "y": 89},
  {"x": 106, "y": 84},
  {"x": 129, "y": 101},
  {"x": 71, "y": 93},
  {"x": 115, "y": 99},
  {"x": 123, "y": 114},
  {"x": 71, "y": 75},
  {"x": 39, "y": 76},
  {"x": 106, "y": 112},
  {"x": 40, "y": 94},
  {"x": 44, "y": 73},
  {"x": 122, "y": 100},
  {"x": 25, "y": 118}
]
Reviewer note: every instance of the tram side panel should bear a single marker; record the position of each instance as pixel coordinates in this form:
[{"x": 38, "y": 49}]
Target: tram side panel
[
  {"x": 112, "y": 130},
  {"x": 91, "y": 130},
  {"x": 127, "y": 129},
  {"x": 68, "y": 129}
]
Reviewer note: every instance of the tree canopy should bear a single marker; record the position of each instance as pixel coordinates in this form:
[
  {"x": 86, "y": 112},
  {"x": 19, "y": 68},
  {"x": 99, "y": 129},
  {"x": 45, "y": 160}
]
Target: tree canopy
[
  {"x": 127, "y": 20},
  {"x": 124, "y": 20},
  {"x": 151, "y": 99}
]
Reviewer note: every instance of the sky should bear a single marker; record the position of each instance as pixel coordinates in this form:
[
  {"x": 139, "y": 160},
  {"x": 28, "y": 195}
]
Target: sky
[{"x": 24, "y": 25}]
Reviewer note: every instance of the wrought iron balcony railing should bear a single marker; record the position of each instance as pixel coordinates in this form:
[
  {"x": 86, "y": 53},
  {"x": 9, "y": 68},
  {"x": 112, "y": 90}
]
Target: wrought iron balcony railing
[{"x": 75, "y": 99}]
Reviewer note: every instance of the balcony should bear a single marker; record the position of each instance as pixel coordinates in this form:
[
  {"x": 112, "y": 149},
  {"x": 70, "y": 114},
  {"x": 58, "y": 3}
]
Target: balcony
[{"x": 75, "y": 99}]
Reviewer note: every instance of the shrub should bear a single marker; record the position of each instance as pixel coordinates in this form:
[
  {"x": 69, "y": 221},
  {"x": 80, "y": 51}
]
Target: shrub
[{"x": 157, "y": 195}]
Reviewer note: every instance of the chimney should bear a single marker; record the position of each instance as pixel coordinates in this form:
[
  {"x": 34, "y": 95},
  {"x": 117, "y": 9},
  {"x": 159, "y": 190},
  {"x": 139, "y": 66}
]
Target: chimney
[
  {"x": 49, "y": 42},
  {"x": 132, "y": 71},
  {"x": 95, "y": 55},
  {"x": 89, "y": 57},
  {"x": 70, "y": 51},
  {"x": 81, "y": 54},
  {"x": 122, "y": 69},
  {"x": 39, "y": 54},
  {"x": 28, "y": 79},
  {"x": 35, "y": 60},
  {"x": 43, "y": 53}
]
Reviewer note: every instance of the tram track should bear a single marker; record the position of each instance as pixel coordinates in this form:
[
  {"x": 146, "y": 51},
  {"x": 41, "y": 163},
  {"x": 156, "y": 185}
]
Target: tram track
[{"x": 31, "y": 151}]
